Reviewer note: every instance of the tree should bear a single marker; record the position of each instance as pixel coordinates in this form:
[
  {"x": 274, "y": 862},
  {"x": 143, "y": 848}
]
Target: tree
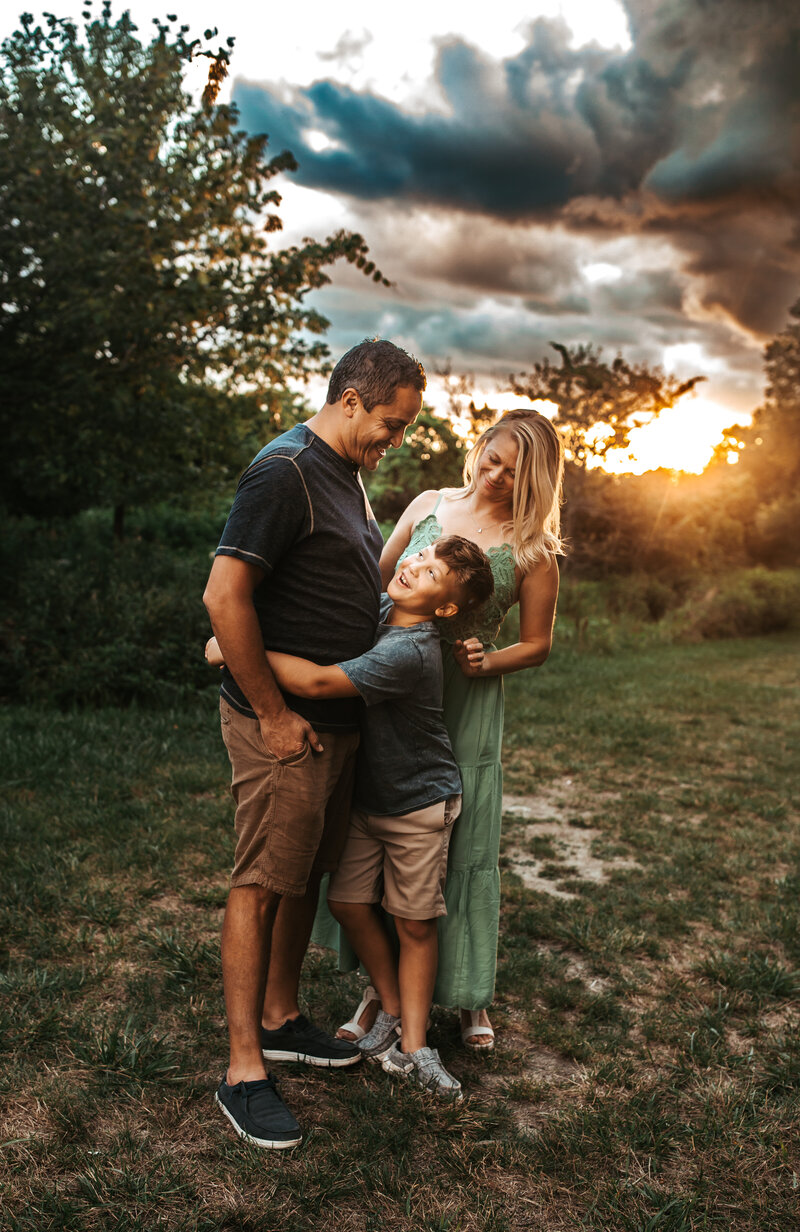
[
  {"x": 147, "y": 328},
  {"x": 598, "y": 403},
  {"x": 770, "y": 453}
]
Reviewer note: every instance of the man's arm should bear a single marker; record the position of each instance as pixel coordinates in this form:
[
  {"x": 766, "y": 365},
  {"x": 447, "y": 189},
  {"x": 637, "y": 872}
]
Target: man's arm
[
  {"x": 229, "y": 600},
  {"x": 307, "y": 679}
]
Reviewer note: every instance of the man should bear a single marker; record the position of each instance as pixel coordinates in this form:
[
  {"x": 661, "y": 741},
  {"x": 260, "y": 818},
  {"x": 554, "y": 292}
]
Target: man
[{"x": 296, "y": 571}]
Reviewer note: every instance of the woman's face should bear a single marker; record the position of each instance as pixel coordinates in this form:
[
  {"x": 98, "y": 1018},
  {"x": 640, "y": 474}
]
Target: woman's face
[{"x": 497, "y": 467}]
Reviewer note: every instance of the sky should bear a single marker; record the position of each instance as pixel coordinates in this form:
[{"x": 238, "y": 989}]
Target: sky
[{"x": 616, "y": 172}]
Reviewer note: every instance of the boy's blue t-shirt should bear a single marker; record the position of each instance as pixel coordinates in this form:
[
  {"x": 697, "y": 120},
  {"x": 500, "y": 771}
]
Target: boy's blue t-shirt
[{"x": 404, "y": 761}]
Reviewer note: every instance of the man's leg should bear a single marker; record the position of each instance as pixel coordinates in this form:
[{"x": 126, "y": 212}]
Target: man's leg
[
  {"x": 290, "y": 935},
  {"x": 246, "y": 937},
  {"x": 419, "y": 954}
]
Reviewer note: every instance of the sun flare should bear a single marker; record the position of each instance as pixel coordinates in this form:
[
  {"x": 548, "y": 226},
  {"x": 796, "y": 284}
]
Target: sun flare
[{"x": 681, "y": 438}]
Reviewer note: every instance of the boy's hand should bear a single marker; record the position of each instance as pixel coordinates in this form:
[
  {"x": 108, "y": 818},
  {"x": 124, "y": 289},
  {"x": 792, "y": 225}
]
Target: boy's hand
[
  {"x": 213, "y": 653},
  {"x": 287, "y": 734},
  {"x": 469, "y": 656}
]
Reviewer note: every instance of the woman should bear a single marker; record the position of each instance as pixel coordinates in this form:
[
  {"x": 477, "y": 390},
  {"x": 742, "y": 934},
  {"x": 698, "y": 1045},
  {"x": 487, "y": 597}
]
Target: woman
[{"x": 509, "y": 506}]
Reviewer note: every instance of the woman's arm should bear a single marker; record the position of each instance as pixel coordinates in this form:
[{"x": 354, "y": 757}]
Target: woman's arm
[
  {"x": 538, "y": 593},
  {"x": 307, "y": 679},
  {"x": 397, "y": 542}
]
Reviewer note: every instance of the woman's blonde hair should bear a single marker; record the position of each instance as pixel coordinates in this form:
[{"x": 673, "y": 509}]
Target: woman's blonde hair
[{"x": 536, "y": 517}]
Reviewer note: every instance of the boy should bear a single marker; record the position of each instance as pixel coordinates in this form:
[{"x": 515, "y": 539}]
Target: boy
[{"x": 407, "y": 797}]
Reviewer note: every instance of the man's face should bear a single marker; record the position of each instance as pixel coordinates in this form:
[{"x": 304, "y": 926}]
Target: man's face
[
  {"x": 423, "y": 584},
  {"x": 372, "y": 432}
]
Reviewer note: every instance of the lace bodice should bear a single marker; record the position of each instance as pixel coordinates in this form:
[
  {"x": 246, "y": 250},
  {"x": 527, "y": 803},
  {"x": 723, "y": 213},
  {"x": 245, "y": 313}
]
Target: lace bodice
[{"x": 482, "y": 622}]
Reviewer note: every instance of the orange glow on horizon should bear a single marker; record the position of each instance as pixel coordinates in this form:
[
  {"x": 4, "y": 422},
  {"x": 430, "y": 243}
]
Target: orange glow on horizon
[{"x": 681, "y": 438}]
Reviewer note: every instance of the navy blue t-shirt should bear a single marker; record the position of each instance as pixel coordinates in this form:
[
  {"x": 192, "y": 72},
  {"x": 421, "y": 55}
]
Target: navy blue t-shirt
[
  {"x": 302, "y": 516},
  {"x": 404, "y": 760}
]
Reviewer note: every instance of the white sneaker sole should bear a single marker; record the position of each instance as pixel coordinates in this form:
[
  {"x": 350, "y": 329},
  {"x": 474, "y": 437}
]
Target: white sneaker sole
[
  {"x": 269, "y": 1143},
  {"x": 274, "y": 1054},
  {"x": 378, "y": 1057},
  {"x": 453, "y": 1096}
]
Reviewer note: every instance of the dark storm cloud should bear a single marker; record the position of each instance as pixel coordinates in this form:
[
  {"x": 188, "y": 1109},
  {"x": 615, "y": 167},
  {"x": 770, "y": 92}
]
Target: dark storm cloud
[
  {"x": 692, "y": 111},
  {"x": 516, "y": 143},
  {"x": 693, "y": 134}
]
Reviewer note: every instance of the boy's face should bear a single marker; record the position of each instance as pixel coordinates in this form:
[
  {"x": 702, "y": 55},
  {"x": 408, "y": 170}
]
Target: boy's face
[{"x": 424, "y": 586}]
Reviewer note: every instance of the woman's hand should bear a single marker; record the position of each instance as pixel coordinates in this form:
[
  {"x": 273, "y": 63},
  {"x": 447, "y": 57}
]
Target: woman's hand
[{"x": 469, "y": 656}]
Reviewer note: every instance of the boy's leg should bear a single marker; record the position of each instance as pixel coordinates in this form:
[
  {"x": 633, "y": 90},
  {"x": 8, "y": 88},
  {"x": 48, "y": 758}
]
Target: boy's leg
[
  {"x": 372, "y": 944},
  {"x": 419, "y": 953}
]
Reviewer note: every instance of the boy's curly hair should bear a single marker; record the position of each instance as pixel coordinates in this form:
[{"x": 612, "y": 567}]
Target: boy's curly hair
[{"x": 471, "y": 567}]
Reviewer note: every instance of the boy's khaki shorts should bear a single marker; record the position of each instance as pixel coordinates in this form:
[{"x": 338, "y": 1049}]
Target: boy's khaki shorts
[
  {"x": 291, "y": 814},
  {"x": 404, "y": 856}
]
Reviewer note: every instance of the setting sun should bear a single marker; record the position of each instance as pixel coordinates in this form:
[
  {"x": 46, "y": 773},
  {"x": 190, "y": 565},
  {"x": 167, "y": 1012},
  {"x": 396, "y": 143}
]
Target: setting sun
[{"x": 682, "y": 438}]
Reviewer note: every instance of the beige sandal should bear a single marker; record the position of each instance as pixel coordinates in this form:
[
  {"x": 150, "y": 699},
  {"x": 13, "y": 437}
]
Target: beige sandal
[
  {"x": 475, "y": 1028},
  {"x": 354, "y": 1026}
]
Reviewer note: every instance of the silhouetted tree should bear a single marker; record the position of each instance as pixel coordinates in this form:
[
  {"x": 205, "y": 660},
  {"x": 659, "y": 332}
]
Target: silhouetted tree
[
  {"x": 147, "y": 328},
  {"x": 770, "y": 457},
  {"x": 598, "y": 403}
]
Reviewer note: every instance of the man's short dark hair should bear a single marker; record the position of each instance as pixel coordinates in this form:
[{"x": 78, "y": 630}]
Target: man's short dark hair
[
  {"x": 471, "y": 567},
  {"x": 376, "y": 369}
]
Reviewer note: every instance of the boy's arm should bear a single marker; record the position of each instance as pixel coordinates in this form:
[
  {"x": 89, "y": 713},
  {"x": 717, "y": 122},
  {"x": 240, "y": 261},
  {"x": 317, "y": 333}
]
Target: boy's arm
[
  {"x": 298, "y": 676},
  {"x": 307, "y": 679}
]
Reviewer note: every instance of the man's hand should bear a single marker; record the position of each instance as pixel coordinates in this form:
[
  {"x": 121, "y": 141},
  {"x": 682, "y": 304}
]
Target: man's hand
[
  {"x": 287, "y": 733},
  {"x": 469, "y": 656}
]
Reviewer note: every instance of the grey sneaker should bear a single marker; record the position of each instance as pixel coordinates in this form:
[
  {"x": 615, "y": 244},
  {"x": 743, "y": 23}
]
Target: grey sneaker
[
  {"x": 381, "y": 1038},
  {"x": 425, "y": 1068}
]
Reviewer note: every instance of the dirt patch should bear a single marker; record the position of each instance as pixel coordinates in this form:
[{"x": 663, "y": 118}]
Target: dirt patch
[{"x": 552, "y": 814}]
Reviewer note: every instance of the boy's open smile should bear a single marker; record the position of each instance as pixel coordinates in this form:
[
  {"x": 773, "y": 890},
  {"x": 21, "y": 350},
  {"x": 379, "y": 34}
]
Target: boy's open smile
[{"x": 424, "y": 587}]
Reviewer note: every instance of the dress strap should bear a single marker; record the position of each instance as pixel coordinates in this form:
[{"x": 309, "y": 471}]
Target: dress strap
[{"x": 438, "y": 503}]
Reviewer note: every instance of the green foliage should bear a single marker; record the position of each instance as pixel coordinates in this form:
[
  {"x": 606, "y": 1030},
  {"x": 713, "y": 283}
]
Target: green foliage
[
  {"x": 432, "y": 456},
  {"x": 87, "y": 620},
  {"x": 590, "y": 392},
  {"x": 758, "y": 975},
  {"x": 147, "y": 327},
  {"x": 772, "y": 450},
  {"x": 662, "y": 523},
  {"x": 747, "y": 603}
]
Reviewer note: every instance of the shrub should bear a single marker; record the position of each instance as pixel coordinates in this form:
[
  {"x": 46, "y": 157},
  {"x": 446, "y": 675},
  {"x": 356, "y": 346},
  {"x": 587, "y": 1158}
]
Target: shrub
[
  {"x": 86, "y": 620},
  {"x": 746, "y": 603}
]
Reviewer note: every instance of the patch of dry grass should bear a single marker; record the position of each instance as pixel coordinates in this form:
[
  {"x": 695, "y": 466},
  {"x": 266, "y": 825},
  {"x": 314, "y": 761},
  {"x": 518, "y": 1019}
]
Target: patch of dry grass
[{"x": 648, "y": 1061}]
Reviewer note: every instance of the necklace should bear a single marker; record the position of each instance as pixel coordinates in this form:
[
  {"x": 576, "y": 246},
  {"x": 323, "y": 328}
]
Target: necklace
[{"x": 486, "y": 525}]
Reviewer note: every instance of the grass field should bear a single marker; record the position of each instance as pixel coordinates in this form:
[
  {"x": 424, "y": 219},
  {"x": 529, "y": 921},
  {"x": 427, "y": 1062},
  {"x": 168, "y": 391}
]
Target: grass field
[{"x": 647, "y": 1074}]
